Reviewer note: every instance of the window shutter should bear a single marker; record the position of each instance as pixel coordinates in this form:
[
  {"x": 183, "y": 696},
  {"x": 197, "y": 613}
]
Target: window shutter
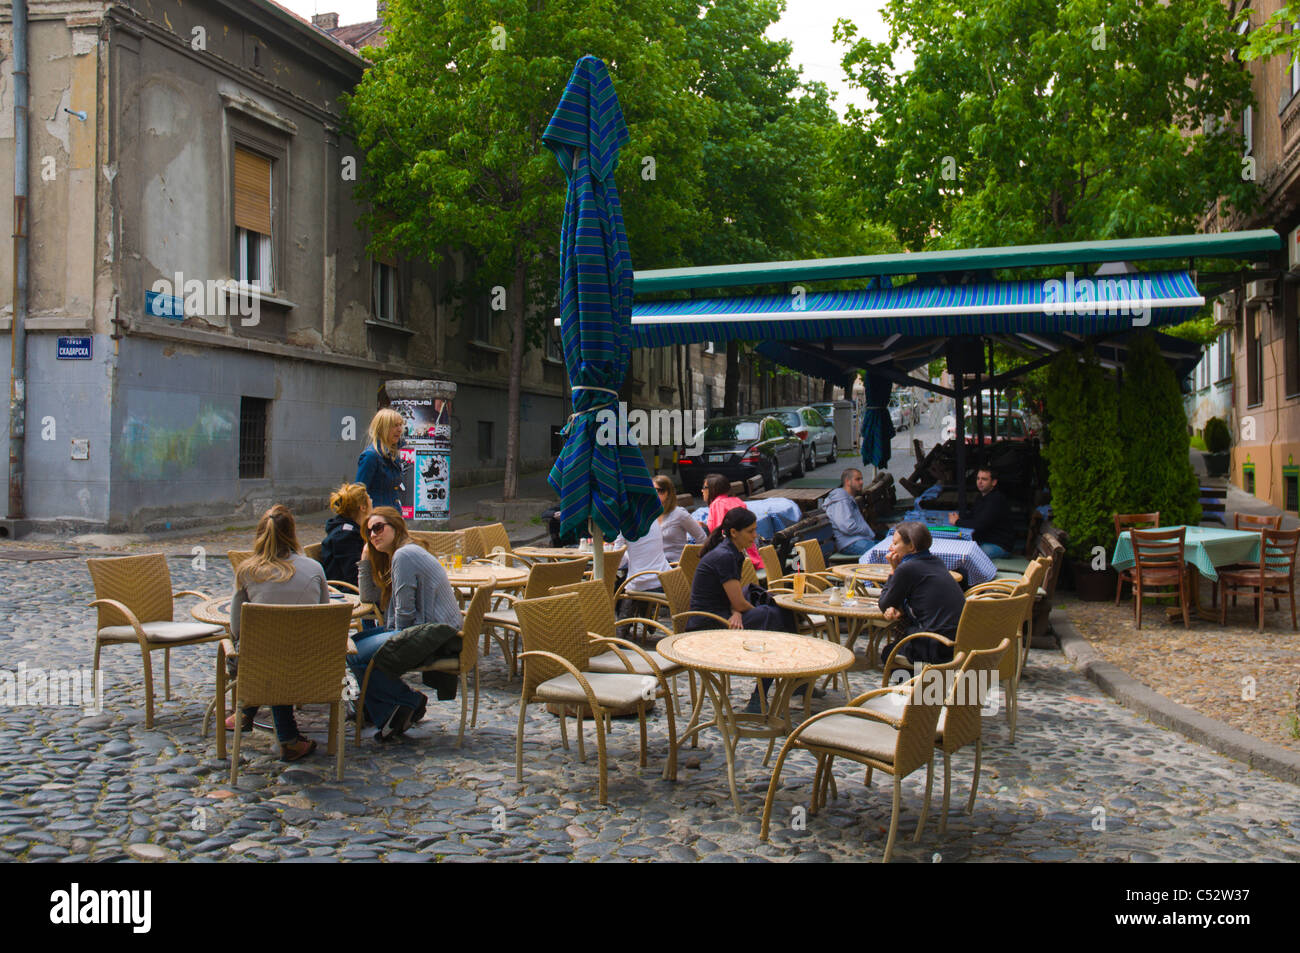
[{"x": 252, "y": 192}]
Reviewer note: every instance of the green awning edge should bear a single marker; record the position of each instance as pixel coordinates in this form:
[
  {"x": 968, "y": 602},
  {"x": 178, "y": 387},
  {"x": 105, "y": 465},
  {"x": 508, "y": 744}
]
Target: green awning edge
[{"x": 1251, "y": 244}]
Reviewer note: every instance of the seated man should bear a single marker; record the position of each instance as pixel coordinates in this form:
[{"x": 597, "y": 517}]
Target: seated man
[
  {"x": 989, "y": 517},
  {"x": 922, "y": 594},
  {"x": 853, "y": 535}
]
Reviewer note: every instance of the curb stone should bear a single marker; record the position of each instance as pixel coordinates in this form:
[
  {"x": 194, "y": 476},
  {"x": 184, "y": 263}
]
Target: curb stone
[{"x": 1124, "y": 688}]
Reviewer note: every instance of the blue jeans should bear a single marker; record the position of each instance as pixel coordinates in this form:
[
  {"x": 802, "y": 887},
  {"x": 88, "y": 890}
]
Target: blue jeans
[
  {"x": 384, "y": 692},
  {"x": 994, "y": 551},
  {"x": 858, "y": 548},
  {"x": 286, "y": 726}
]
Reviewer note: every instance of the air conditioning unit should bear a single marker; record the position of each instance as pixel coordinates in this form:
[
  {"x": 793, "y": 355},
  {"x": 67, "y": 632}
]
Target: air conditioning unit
[
  {"x": 1293, "y": 250},
  {"x": 1259, "y": 292},
  {"x": 1225, "y": 311}
]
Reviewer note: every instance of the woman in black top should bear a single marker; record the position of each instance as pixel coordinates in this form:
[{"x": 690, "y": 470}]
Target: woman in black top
[
  {"x": 921, "y": 594},
  {"x": 340, "y": 551},
  {"x": 717, "y": 587}
]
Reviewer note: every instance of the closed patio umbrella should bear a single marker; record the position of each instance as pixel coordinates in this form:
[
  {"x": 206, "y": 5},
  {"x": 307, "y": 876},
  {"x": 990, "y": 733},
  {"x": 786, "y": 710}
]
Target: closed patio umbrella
[
  {"x": 877, "y": 428},
  {"x": 596, "y": 480}
]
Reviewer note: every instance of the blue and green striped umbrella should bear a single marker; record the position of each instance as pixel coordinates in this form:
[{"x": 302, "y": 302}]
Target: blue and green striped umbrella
[{"x": 595, "y": 479}]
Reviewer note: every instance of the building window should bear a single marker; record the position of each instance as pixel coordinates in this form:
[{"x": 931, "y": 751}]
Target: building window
[
  {"x": 484, "y": 323},
  {"x": 253, "y": 175},
  {"x": 1254, "y": 358},
  {"x": 485, "y": 440},
  {"x": 554, "y": 345},
  {"x": 708, "y": 399},
  {"x": 253, "y": 412},
  {"x": 383, "y": 291},
  {"x": 1224, "y": 346},
  {"x": 709, "y": 347}
]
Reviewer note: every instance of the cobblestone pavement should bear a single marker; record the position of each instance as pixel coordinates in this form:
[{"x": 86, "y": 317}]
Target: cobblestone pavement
[{"x": 101, "y": 787}]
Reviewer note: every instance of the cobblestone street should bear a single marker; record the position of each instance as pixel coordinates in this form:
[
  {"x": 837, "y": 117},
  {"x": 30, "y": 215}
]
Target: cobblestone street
[{"x": 101, "y": 787}]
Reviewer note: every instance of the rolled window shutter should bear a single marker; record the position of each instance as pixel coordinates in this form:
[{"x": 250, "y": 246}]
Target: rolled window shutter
[{"x": 252, "y": 192}]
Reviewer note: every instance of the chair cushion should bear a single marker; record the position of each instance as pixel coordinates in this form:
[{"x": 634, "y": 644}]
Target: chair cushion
[
  {"x": 609, "y": 663},
  {"x": 503, "y": 617},
  {"x": 892, "y": 705},
  {"x": 613, "y": 691},
  {"x": 859, "y": 735},
  {"x": 160, "y": 631},
  {"x": 1016, "y": 564}
]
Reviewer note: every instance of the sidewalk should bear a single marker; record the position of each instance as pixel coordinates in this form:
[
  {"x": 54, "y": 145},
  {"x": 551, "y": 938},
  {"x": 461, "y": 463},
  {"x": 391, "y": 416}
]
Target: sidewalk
[{"x": 1239, "y": 501}]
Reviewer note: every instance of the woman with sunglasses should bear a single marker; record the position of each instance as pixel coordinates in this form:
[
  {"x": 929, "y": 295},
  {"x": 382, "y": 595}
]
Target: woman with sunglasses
[
  {"x": 410, "y": 586},
  {"x": 677, "y": 525}
]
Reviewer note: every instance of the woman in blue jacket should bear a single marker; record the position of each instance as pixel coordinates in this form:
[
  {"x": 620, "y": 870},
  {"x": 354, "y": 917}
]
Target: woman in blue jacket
[{"x": 378, "y": 466}]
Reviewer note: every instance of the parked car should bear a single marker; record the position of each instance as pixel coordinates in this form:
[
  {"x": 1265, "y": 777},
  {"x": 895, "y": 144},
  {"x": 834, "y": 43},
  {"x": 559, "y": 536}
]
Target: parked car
[
  {"x": 1011, "y": 426},
  {"x": 896, "y": 414},
  {"x": 816, "y": 432},
  {"x": 739, "y": 448},
  {"x": 908, "y": 413}
]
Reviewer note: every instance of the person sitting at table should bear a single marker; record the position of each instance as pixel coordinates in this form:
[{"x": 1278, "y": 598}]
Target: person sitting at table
[
  {"x": 989, "y": 517},
  {"x": 852, "y": 534},
  {"x": 411, "y": 588},
  {"x": 676, "y": 524},
  {"x": 717, "y": 494},
  {"x": 921, "y": 594},
  {"x": 643, "y": 555},
  {"x": 279, "y": 574},
  {"x": 717, "y": 589},
  {"x": 340, "y": 551}
]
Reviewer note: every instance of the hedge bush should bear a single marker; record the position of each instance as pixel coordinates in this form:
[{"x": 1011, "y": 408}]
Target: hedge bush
[
  {"x": 1158, "y": 475},
  {"x": 1217, "y": 436},
  {"x": 1083, "y": 456}
]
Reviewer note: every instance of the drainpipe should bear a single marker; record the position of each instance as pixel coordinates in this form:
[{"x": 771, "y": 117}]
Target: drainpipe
[{"x": 18, "y": 332}]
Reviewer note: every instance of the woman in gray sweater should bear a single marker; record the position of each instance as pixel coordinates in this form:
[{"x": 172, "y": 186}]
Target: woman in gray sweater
[
  {"x": 279, "y": 574},
  {"x": 410, "y": 586}
]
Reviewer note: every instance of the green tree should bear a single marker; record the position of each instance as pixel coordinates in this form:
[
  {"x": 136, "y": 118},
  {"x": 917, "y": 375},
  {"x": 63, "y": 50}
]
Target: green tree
[
  {"x": 1158, "y": 476},
  {"x": 1030, "y": 121},
  {"x": 450, "y": 117},
  {"x": 1085, "y": 467}
]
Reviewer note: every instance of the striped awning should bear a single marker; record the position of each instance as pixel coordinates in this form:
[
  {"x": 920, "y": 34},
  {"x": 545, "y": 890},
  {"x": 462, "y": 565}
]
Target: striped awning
[{"x": 1064, "y": 304}]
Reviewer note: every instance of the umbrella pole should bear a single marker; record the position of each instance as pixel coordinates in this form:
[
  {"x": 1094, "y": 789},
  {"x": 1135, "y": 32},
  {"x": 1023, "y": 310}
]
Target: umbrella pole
[{"x": 597, "y": 551}]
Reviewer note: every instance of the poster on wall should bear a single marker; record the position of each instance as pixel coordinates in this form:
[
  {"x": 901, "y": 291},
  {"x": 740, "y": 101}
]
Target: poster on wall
[
  {"x": 406, "y": 456},
  {"x": 426, "y": 458},
  {"x": 432, "y": 485}
]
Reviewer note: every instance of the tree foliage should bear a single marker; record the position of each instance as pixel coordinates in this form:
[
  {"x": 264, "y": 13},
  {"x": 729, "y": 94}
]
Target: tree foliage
[
  {"x": 1030, "y": 121},
  {"x": 1153, "y": 437},
  {"x": 1085, "y": 466}
]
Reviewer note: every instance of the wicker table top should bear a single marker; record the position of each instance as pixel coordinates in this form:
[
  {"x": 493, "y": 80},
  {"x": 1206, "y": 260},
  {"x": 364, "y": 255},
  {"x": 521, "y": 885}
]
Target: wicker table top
[
  {"x": 550, "y": 552},
  {"x": 815, "y": 602},
  {"x": 770, "y": 654},
  {"x": 483, "y": 574},
  {"x": 873, "y": 572},
  {"x": 217, "y": 611}
]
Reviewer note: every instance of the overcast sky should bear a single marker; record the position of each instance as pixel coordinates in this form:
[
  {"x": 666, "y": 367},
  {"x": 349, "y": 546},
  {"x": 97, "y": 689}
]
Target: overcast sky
[{"x": 807, "y": 24}]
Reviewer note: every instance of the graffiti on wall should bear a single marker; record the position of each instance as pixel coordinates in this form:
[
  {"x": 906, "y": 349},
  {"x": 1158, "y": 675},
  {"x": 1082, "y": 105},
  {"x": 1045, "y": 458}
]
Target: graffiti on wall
[{"x": 171, "y": 440}]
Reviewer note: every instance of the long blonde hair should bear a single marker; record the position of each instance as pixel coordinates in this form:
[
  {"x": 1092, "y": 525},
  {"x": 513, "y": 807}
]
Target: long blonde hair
[
  {"x": 380, "y": 424},
  {"x": 349, "y": 501},
  {"x": 381, "y": 563},
  {"x": 277, "y": 540},
  {"x": 670, "y": 493}
]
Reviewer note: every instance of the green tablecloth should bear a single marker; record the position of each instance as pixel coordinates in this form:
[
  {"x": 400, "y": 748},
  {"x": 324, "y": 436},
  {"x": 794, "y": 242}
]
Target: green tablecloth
[{"x": 1204, "y": 547}]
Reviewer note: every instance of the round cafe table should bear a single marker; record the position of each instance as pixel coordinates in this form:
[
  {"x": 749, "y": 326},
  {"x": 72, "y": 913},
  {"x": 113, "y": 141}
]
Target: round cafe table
[
  {"x": 551, "y": 552},
  {"x": 718, "y": 653},
  {"x": 860, "y": 612},
  {"x": 487, "y": 573},
  {"x": 874, "y": 573},
  {"x": 217, "y": 611}
]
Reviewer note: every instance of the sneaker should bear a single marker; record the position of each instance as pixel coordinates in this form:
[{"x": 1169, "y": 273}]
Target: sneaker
[
  {"x": 398, "y": 722},
  {"x": 419, "y": 713},
  {"x": 818, "y": 692},
  {"x": 755, "y": 706},
  {"x": 297, "y": 749}
]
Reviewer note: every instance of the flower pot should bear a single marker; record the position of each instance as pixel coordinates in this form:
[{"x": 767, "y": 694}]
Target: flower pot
[
  {"x": 1092, "y": 585},
  {"x": 1217, "y": 464}
]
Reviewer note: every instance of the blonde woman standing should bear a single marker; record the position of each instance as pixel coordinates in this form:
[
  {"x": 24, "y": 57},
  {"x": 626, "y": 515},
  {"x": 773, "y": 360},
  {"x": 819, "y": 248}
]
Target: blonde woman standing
[{"x": 378, "y": 467}]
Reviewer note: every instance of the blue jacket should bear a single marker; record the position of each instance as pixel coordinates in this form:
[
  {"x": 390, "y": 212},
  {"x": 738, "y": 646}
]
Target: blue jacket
[
  {"x": 846, "y": 519},
  {"x": 382, "y": 477}
]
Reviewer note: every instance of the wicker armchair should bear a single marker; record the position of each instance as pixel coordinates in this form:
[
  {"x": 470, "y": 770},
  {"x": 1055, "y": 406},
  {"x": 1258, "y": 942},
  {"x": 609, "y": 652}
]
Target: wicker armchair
[
  {"x": 613, "y": 559},
  {"x": 1274, "y": 575},
  {"x": 985, "y": 622},
  {"x": 288, "y": 655},
  {"x": 484, "y": 541},
  {"x": 772, "y": 569},
  {"x": 312, "y": 551},
  {"x": 133, "y": 596},
  {"x": 557, "y": 650},
  {"x": 598, "y": 615},
  {"x": 1030, "y": 584},
  {"x": 461, "y": 665},
  {"x": 689, "y": 560},
  {"x": 503, "y": 624},
  {"x": 441, "y": 543},
  {"x": 897, "y": 744},
  {"x": 813, "y": 563},
  {"x": 678, "y": 593},
  {"x": 642, "y": 597},
  {"x": 237, "y": 558}
]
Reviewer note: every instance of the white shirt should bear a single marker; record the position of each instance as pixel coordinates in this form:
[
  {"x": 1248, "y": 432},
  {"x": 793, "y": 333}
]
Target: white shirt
[{"x": 645, "y": 553}]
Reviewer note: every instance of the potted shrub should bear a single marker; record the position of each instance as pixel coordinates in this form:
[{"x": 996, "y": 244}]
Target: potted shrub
[
  {"x": 1084, "y": 467},
  {"x": 1218, "y": 446}
]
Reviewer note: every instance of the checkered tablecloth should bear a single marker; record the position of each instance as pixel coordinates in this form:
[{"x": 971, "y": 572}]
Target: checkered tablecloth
[{"x": 960, "y": 555}]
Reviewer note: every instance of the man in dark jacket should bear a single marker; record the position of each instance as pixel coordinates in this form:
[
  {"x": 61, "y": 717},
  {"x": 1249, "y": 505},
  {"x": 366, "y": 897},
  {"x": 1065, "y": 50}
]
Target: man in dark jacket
[
  {"x": 922, "y": 594},
  {"x": 989, "y": 517}
]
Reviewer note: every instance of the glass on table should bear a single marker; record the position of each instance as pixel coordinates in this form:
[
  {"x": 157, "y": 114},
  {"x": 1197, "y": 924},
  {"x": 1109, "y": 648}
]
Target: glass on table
[{"x": 800, "y": 580}]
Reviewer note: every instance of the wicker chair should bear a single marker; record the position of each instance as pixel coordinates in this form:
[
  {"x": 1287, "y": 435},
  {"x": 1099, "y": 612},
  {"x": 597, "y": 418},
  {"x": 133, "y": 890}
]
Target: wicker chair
[
  {"x": 440, "y": 544},
  {"x": 461, "y": 665},
  {"x": 133, "y": 596},
  {"x": 689, "y": 560},
  {"x": 503, "y": 624},
  {"x": 312, "y": 551},
  {"x": 1030, "y": 584},
  {"x": 288, "y": 655},
  {"x": 556, "y": 653},
  {"x": 1159, "y": 564},
  {"x": 812, "y": 562},
  {"x": 1131, "y": 521},
  {"x": 678, "y": 593},
  {"x": 237, "y": 558},
  {"x": 1274, "y": 575},
  {"x": 984, "y": 623},
  {"x": 598, "y": 615},
  {"x": 484, "y": 541},
  {"x": 771, "y": 564},
  {"x": 613, "y": 559},
  {"x": 897, "y": 744}
]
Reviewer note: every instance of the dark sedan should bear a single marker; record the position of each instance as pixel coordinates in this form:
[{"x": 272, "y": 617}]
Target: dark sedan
[{"x": 739, "y": 448}]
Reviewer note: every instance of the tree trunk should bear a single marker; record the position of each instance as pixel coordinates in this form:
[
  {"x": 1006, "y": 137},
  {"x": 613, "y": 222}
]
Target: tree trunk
[
  {"x": 731, "y": 389},
  {"x": 517, "y": 305}
]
